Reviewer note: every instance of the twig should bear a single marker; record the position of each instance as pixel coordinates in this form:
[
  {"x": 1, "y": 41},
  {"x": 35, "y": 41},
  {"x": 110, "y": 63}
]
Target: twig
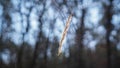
[{"x": 64, "y": 34}]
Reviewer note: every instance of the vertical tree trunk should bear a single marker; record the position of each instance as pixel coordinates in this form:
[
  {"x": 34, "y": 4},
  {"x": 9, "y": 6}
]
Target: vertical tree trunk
[
  {"x": 79, "y": 40},
  {"x": 20, "y": 56},
  {"x": 1, "y": 62},
  {"x": 108, "y": 26},
  {"x": 45, "y": 54},
  {"x": 39, "y": 39},
  {"x": 36, "y": 53}
]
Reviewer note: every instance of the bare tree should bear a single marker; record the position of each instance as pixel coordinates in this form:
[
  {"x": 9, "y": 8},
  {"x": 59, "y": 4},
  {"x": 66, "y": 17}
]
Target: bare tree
[{"x": 108, "y": 25}]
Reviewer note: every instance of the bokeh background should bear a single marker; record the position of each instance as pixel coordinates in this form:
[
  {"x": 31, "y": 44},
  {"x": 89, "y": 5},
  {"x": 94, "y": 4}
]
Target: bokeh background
[{"x": 30, "y": 31}]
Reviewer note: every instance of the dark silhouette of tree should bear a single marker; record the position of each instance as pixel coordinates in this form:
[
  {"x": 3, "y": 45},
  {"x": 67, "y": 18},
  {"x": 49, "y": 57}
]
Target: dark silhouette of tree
[
  {"x": 80, "y": 37},
  {"x": 78, "y": 55},
  {"x": 79, "y": 40},
  {"x": 39, "y": 39},
  {"x": 108, "y": 25},
  {"x": 1, "y": 62},
  {"x": 21, "y": 49}
]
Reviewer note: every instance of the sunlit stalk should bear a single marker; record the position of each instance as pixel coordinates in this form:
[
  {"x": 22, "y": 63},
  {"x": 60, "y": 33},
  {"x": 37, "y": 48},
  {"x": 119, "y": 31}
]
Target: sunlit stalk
[{"x": 64, "y": 34}]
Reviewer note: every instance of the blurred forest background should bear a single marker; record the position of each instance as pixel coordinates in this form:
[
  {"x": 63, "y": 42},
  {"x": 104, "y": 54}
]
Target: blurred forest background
[{"x": 30, "y": 31}]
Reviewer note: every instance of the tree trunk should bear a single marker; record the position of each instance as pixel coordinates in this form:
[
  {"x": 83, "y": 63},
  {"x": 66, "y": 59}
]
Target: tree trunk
[
  {"x": 108, "y": 26},
  {"x": 79, "y": 40}
]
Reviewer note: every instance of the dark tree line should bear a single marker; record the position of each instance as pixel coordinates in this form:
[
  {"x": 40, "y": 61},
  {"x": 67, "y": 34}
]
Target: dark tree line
[{"x": 43, "y": 20}]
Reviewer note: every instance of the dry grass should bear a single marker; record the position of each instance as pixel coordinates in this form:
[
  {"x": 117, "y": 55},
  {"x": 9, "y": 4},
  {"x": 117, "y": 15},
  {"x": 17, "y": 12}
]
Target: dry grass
[{"x": 64, "y": 34}]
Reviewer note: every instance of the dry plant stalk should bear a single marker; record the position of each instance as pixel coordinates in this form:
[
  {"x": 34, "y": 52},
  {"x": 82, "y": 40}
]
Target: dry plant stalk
[{"x": 64, "y": 34}]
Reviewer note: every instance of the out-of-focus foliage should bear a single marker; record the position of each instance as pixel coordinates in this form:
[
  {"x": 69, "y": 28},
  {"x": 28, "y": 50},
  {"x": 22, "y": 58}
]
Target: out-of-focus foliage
[{"x": 30, "y": 31}]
